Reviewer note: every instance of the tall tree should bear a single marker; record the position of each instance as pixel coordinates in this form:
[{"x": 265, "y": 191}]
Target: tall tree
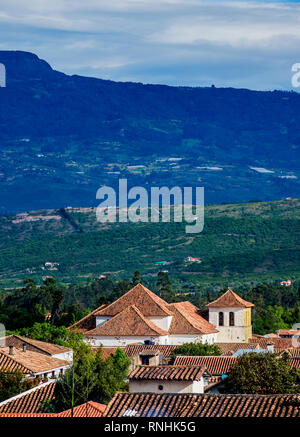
[
  {"x": 262, "y": 373},
  {"x": 136, "y": 279}
]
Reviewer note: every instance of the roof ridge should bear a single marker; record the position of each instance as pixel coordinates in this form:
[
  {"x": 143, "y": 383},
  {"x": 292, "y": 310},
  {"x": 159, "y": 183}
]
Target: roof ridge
[
  {"x": 150, "y": 324},
  {"x": 190, "y": 320},
  {"x": 238, "y": 299},
  {"x": 88, "y": 315},
  {"x": 157, "y": 300}
]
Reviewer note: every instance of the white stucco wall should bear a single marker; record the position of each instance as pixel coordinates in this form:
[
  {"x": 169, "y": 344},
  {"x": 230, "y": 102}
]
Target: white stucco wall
[
  {"x": 58, "y": 371},
  {"x": 68, "y": 356},
  {"x": 181, "y": 339},
  {"x": 162, "y": 322},
  {"x": 168, "y": 386},
  {"x": 229, "y": 334},
  {"x": 124, "y": 341}
]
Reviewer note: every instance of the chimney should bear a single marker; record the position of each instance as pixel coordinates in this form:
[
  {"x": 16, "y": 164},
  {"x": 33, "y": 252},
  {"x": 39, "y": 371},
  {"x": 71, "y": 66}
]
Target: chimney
[
  {"x": 11, "y": 350},
  {"x": 24, "y": 347},
  {"x": 270, "y": 347}
]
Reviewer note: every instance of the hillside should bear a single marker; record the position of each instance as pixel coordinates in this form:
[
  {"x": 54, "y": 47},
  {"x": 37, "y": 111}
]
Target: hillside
[
  {"x": 61, "y": 137},
  {"x": 240, "y": 243}
]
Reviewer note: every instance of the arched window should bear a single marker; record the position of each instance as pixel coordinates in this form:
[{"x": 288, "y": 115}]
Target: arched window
[
  {"x": 231, "y": 318},
  {"x": 221, "y": 319}
]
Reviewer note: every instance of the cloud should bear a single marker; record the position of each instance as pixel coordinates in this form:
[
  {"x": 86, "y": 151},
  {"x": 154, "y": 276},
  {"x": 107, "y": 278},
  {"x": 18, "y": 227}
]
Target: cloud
[{"x": 181, "y": 42}]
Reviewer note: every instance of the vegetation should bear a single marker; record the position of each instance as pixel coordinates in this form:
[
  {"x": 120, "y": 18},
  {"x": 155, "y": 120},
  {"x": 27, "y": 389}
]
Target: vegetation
[
  {"x": 196, "y": 349},
  {"x": 13, "y": 383},
  {"x": 64, "y": 161},
  {"x": 90, "y": 378},
  {"x": 241, "y": 244},
  {"x": 262, "y": 373}
]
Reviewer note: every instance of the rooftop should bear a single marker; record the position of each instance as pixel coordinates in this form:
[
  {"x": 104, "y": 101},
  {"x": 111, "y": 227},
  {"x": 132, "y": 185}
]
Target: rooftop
[
  {"x": 32, "y": 362},
  {"x": 30, "y": 401},
  {"x": 215, "y": 365},
  {"x": 230, "y": 299},
  {"x": 130, "y": 314},
  {"x": 144, "y": 299},
  {"x": 167, "y": 373},
  {"x": 40, "y": 346},
  {"x": 129, "y": 322},
  {"x": 205, "y": 405}
]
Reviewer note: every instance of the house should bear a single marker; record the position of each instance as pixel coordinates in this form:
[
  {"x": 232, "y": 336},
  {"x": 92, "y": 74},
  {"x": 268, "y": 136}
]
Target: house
[
  {"x": 50, "y": 349},
  {"x": 232, "y": 317},
  {"x": 168, "y": 379},
  {"x": 140, "y": 316},
  {"x": 287, "y": 283},
  {"x": 190, "y": 259},
  {"x": 289, "y": 333},
  {"x": 203, "y": 405},
  {"x": 32, "y": 364}
]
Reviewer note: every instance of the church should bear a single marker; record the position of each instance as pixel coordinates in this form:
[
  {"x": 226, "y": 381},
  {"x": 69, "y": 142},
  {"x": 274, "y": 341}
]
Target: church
[{"x": 140, "y": 316}]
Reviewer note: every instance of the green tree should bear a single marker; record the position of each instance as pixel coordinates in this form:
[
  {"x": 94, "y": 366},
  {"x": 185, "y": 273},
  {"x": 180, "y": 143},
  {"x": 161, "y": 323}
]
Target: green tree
[
  {"x": 164, "y": 286},
  {"x": 111, "y": 374},
  {"x": 262, "y": 373},
  {"x": 14, "y": 383},
  {"x": 136, "y": 279},
  {"x": 196, "y": 349}
]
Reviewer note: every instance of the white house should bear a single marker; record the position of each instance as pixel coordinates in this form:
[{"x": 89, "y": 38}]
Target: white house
[
  {"x": 140, "y": 316},
  {"x": 168, "y": 379}
]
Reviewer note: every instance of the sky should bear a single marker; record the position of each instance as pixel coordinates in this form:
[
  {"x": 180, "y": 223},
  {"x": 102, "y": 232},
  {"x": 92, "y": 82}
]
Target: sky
[{"x": 241, "y": 44}]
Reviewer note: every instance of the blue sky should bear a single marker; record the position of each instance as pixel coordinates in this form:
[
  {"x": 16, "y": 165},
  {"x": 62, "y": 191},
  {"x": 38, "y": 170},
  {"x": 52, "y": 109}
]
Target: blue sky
[{"x": 251, "y": 44}]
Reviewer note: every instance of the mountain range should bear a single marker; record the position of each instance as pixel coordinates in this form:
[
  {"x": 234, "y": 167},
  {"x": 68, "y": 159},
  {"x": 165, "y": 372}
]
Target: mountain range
[{"x": 62, "y": 137}]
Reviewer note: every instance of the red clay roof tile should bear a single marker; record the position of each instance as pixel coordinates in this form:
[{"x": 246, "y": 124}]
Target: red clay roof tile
[
  {"x": 130, "y": 322},
  {"x": 230, "y": 299}
]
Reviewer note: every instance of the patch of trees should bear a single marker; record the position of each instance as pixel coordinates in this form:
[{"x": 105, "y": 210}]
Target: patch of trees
[{"x": 262, "y": 373}]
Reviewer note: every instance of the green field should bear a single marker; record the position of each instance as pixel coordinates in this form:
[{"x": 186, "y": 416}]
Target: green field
[{"x": 240, "y": 244}]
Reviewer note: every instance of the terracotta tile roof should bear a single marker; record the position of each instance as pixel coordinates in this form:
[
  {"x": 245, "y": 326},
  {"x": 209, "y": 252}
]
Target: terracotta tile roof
[
  {"x": 88, "y": 322},
  {"x": 30, "y": 401},
  {"x": 8, "y": 364},
  {"x": 215, "y": 365},
  {"x": 290, "y": 332},
  {"x": 205, "y": 405},
  {"x": 89, "y": 409},
  {"x": 271, "y": 335},
  {"x": 130, "y": 322},
  {"x": 230, "y": 299},
  {"x": 295, "y": 363},
  {"x": 131, "y": 350},
  {"x": 28, "y": 415},
  {"x": 293, "y": 352},
  {"x": 38, "y": 346},
  {"x": 145, "y": 300},
  {"x": 186, "y": 320},
  {"x": 282, "y": 343},
  {"x": 106, "y": 351},
  {"x": 33, "y": 361},
  {"x": 167, "y": 373},
  {"x": 230, "y": 348}
]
